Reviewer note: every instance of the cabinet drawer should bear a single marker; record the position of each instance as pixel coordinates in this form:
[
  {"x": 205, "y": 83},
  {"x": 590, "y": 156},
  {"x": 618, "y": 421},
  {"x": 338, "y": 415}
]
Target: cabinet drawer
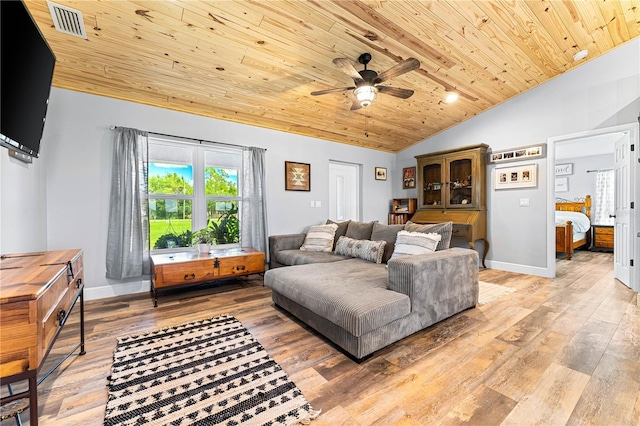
[
  {"x": 54, "y": 304},
  {"x": 461, "y": 231},
  {"x": 241, "y": 265},
  {"x": 604, "y": 241},
  {"x": 185, "y": 273}
]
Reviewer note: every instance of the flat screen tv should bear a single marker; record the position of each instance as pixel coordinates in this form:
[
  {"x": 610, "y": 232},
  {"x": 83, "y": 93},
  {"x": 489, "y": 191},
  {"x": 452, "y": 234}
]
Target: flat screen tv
[{"x": 26, "y": 71}]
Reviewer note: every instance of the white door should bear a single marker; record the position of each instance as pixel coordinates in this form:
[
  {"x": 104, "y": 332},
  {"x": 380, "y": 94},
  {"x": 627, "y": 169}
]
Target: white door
[
  {"x": 623, "y": 227},
  {"x": 344, "y": 191}
]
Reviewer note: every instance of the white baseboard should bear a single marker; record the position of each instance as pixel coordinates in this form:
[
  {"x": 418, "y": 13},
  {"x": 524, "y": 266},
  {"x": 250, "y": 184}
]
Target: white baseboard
[
  {"x": 521, "y": 269},
  {"x": 102, "y": 292}
]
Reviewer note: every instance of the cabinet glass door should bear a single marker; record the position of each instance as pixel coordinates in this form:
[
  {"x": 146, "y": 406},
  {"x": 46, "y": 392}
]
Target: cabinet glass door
[
  {"x": 460, "y": 183},
  {"x": 432, "y": 184}
]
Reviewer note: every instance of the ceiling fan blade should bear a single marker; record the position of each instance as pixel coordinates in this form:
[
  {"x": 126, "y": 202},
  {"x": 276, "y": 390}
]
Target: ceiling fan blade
[
  {"x": 323, "y": 92},
  {"x": 356, "y": 105},
  {"x": 345, "y": 65},
  {"x": 398, "y": 69},
  {"x": 395, "y": 91}
]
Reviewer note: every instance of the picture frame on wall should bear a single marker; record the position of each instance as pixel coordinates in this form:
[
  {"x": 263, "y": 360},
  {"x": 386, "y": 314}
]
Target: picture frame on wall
[
  {"x": 562, "y": 184},
  {"x": 408, "y": 177},
  {"x": 524, "y": 176},
  {"x": 297, "y": 176},
  {"x": 381, "y": 173},
  {"x": 529, "y": 152},
  {"x": 564, "y": 169}
]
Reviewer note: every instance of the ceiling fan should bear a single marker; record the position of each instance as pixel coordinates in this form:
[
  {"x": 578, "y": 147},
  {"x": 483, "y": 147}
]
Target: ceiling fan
[{"x": 367, "y": 81}]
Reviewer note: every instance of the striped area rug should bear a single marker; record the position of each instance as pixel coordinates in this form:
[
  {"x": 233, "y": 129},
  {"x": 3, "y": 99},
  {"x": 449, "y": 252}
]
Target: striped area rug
[
  {"x": 491, "y": 292},
  {"x": 209, "y": 372}
]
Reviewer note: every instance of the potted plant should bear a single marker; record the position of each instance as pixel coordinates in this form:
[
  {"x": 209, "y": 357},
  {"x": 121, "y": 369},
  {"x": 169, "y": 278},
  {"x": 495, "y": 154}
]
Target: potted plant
[{"x": 203, "y": 239}]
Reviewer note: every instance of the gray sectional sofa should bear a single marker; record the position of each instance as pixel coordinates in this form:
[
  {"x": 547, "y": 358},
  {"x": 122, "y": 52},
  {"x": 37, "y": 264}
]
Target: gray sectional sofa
[{"x": 363, "y": 306}]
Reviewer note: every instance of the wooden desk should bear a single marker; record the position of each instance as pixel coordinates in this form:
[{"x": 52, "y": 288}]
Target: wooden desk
[
  {"x": 38, "y": 292},
  {"x": 188, "y": 268},
  {"x": 468, "y": 224}
]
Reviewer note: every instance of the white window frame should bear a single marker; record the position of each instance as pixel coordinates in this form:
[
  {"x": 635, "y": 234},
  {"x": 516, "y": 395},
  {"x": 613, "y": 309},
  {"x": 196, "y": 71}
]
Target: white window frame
[{"x": 198, "y": 199}]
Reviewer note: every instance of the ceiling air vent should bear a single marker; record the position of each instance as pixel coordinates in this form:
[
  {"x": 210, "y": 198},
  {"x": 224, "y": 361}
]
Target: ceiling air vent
[{"x": 67, "y": 20}]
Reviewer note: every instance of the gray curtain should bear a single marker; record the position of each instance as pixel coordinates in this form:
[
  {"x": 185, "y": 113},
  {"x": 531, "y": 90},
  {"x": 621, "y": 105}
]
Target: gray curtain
[
  {"x": 128, "y": 237},
  {"x": 253, "y": 214}
]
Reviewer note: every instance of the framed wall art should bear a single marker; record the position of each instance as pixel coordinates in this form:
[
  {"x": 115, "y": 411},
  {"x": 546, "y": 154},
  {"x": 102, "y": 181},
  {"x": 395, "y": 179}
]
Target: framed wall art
[
  {"x": 530, "y": 152},
  {"x": 524, "y": 176},
  {"x": 564, "y": 169},
  {"x": 381, "y": 173},
  {"x": 297, "y": 176},
  {"x": 408, "y": 177},
  {"x": 562, "y": 184}
]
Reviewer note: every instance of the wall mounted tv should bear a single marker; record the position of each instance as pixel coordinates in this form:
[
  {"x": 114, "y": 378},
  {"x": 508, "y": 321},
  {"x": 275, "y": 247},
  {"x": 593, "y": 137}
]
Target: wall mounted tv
[{"x": 26, "y": 72}]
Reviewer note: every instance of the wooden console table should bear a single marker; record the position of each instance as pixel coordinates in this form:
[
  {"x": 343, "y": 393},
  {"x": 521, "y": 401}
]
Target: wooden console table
[
  {"x": 188, "y": 268},
  {"x": 38, "y": 292}
]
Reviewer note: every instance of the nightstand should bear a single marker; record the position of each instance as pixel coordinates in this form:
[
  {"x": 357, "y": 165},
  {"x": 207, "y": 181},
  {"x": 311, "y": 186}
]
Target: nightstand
[{"x": 602, "y": 237}]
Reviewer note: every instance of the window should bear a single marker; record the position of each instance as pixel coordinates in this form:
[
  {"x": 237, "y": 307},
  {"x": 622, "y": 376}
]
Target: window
[{"x": 192, "y": 186}]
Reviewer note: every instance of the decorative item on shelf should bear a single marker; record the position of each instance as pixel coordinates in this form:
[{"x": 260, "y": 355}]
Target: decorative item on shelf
[
  {"x": 203, "y": 239},
  {"x": 381, "y": 173},
  {"x": 297, "y": 176},
  {"x": 436, "y": 186}
]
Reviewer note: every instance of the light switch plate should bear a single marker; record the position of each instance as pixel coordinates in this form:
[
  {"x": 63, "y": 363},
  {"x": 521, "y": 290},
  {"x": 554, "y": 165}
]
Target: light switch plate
[{"x": 524, "y": 202}]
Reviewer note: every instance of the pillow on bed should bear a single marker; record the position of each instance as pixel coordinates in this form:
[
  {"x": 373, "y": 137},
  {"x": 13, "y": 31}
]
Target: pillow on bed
[
  {"x": 320, "y": 238},
  {"x": 362, "y": 249},
  {"x": 410, "y": 243},
  {"x": 580, "y": 221}
]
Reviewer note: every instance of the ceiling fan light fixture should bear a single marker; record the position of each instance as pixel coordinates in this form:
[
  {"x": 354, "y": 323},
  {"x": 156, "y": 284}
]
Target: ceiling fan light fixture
[
  {"x": 365, "y": 95},
  {"x": 451, "y": 97}
]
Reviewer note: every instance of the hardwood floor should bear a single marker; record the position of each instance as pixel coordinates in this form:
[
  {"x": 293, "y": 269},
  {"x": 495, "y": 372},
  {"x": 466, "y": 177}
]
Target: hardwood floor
[{"x": 556, "y": 352}]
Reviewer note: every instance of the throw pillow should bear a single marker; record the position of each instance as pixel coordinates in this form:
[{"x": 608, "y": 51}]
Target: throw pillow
[
  {"x": 342, "y": 229},
  {"x": 386, "y": 233},
  {"x": 359, "y": 230},
  {"x": 410, "y": 243},
  {"x": 362, "y": 249},
  {"x": 445, "y": 229},
  {"x": 320, "y": 238}
]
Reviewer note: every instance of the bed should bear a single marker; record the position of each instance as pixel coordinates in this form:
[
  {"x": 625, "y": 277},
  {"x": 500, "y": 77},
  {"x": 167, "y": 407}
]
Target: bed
[{"x": 573, "y": 225}]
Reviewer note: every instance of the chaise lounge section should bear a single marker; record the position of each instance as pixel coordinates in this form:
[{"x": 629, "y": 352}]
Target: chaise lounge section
[{"x": 364, "y": 306}]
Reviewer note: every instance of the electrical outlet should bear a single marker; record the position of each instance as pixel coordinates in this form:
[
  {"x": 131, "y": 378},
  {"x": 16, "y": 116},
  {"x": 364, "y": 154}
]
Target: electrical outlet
[{"x": 312, "y": 203}]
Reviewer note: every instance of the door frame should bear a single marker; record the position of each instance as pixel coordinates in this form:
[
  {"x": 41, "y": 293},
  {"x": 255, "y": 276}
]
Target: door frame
[{"x": 634, "y": 248}]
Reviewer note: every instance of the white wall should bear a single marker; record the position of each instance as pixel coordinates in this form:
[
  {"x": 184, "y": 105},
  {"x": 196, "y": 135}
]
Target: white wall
[
  {"x": 78, "y": 155},
  {"x": 600, "y": 93},
  {"x": 23, "y": 205}
]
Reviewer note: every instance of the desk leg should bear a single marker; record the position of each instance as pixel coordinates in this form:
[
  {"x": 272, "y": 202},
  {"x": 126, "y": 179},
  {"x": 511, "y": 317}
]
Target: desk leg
[
  {"x": 486, "y": 249},
  {"x": 82, "y": 351},
  {"x": 33, "y": 400}
]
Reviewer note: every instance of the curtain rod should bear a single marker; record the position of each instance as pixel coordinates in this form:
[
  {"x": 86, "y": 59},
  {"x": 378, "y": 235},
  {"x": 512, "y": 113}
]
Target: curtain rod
[
  {"x": 599, "y": 170},
  {"x": 194, "y": 139}
]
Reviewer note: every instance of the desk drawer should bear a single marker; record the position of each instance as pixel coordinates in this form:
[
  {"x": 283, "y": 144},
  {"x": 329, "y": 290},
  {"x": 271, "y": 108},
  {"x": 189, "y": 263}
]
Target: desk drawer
[
  {"x": 54, "y": 303},
  {"x": 185, "y": 273},
  {"x": 461, "y": 231},
  {"x": 241, "y": 265}
]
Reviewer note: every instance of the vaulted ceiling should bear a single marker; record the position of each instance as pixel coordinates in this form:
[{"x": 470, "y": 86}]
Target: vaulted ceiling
[{"x": 257, "y": 62}]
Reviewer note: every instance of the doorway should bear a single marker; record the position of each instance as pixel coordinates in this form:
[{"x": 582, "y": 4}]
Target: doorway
[
  {"x": 344, "y": 191},
  {"x": 611, "y": 138}
]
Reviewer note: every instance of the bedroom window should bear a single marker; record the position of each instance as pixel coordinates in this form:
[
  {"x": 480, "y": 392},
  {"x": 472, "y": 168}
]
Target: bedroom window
[
  {"x": 605, "y": 190},
  {"x": 190, "y": 187}
]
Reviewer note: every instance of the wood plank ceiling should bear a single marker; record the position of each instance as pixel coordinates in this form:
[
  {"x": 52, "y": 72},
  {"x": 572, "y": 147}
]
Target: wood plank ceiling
[{"x": 256, "y": 62}]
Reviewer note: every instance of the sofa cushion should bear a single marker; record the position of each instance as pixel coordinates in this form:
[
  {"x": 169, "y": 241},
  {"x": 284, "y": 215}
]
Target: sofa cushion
[
  {"x": 388, "y": 233},
  {"x": 359, "y": 230},
  {"x": 320, "y": 238},
  {"x": 445, "y": 229},
  {"x": 362, "y": 249},
  {"x": 301, "y": 257},
  {"x": 352, "y": 294},
  {"x": 410, "y": 243},
  {"x": 342, "y": 229}
]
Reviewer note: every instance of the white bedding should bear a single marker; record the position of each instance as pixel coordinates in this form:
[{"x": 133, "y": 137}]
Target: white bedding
[{"x": 580, "y": 221}]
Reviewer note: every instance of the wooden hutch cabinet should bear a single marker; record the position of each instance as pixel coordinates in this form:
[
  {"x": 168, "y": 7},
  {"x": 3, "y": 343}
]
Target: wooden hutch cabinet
[{"x": 452, "y": 187}]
